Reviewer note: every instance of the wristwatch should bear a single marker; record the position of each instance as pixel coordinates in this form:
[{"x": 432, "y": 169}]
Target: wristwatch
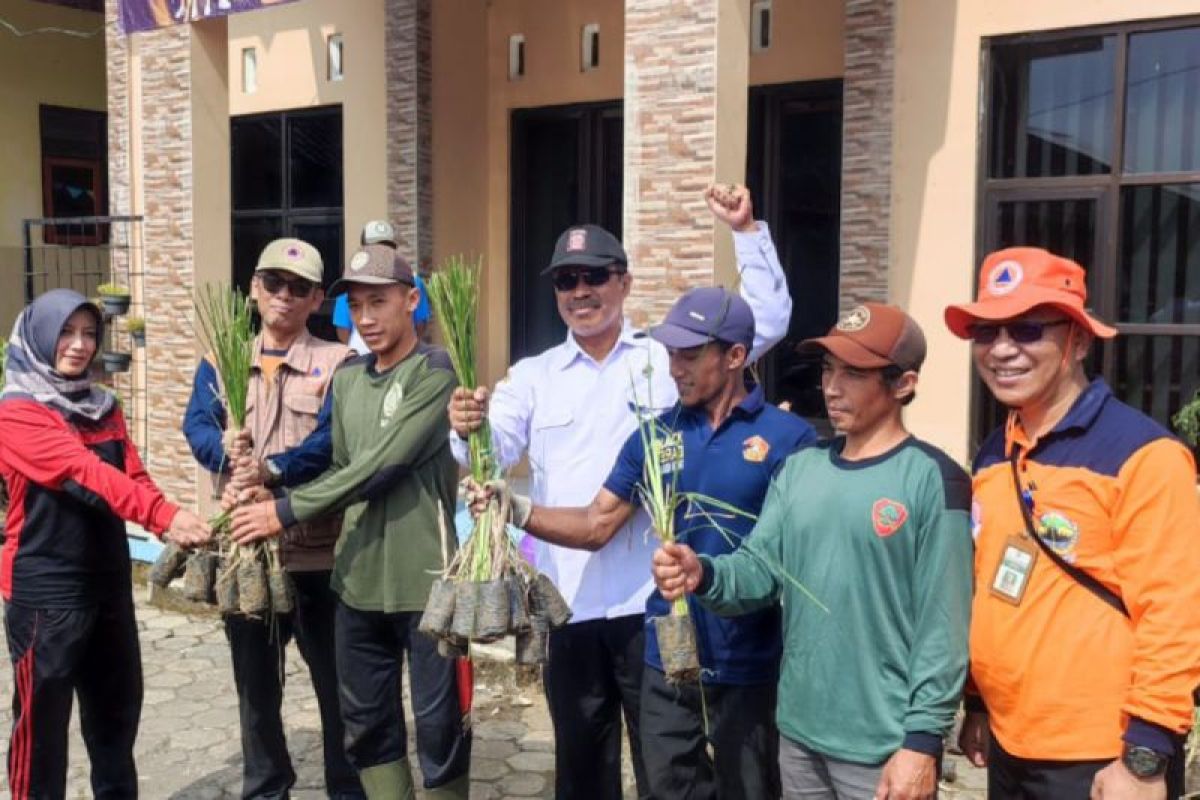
[
  {"x": 274, "y": 473},
  {"x": 1143, "y": 762}
]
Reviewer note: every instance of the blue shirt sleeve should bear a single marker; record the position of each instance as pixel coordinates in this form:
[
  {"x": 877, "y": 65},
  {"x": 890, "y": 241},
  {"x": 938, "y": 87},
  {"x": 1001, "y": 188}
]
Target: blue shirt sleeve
[
  {"x": 423, "y": 312},
  {"x": 204, "y": 420},
  {"x": 627, "y": 472},
  {"x": 341, "y": 312},
  {"x": 309, "y": 459}
]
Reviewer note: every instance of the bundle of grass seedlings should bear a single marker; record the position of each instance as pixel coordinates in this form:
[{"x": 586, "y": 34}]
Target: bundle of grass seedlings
[
  {"x": 487, "y": 590},
  {"x": 239, "y": 579}
]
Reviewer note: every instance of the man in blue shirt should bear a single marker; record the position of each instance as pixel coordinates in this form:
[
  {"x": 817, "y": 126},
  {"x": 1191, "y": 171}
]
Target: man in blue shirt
[{"x": 722, "y": 441}]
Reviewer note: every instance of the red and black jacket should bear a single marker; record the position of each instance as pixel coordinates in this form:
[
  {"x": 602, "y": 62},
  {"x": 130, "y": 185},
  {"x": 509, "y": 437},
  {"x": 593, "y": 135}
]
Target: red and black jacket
[{"x": 71, "y": 485}]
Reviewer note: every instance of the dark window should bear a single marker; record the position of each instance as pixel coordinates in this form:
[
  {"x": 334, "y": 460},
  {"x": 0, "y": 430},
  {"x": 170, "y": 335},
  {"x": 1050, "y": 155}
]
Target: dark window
[
  {"x": 794, "y": 170},
  {"x": 566, "y": 169},
  {"x": 74, "y": 144},
  {"x": 1060, "y": 109},
  {"x": 287, "y": 181}
]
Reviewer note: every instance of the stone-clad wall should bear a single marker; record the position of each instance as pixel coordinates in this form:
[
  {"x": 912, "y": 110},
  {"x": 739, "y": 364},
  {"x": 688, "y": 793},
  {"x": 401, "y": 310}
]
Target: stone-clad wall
[
  {"x": 165, "y": 133},
  {"x": 867, "y": 150},
  {"x": 672, "y": 151},
  {"x": 409, "y": 41}
]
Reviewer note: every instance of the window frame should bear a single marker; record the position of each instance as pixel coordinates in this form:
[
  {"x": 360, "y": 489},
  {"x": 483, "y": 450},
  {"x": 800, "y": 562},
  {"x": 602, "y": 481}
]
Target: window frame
[{"x": 1106, "y": 189}]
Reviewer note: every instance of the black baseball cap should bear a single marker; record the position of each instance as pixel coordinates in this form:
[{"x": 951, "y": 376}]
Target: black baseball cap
[
  {"x": 703, "y": 315},
  {"x": 587, "y": 246}
]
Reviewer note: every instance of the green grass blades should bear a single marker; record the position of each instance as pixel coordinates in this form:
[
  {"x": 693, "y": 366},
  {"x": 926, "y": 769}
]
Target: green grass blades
[
  {"x": 226, "y": 326},
  {"x": 454, "y": 294}
]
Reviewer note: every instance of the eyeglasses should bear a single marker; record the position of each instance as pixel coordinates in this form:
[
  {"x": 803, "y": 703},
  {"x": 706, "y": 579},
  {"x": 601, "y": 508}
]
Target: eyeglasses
[
  {"x": 274, "y": 284},
  {"x": 1020, "y": 332},
  {"x": 593, "y": 276}
]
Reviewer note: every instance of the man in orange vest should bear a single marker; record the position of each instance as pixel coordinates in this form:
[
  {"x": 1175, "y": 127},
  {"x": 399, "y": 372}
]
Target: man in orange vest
[{"x": 1085, "y": 627}]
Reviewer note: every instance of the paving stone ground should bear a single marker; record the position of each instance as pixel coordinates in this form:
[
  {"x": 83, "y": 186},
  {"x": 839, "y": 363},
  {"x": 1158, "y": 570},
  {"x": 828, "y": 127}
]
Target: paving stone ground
[{"x": 188, "y": 747}]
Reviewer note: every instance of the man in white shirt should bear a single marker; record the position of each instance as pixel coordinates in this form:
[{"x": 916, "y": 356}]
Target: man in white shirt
[{"x": 571, "y": 408}]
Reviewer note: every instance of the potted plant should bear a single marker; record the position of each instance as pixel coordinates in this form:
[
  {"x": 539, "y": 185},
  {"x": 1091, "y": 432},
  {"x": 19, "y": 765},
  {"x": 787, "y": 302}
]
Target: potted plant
[
  {"x": 114, "y": 298},
  {"x": 115, "y": 362},
  {"x": 137, "y": 329}
]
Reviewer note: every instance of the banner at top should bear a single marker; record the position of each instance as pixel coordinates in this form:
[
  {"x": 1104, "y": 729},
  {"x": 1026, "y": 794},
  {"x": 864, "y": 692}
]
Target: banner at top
[{"x": 146, "y": 15}]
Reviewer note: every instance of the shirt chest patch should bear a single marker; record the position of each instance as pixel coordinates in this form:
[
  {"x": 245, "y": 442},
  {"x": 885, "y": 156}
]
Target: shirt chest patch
[
  {"x": 1061, "y": 533},
  {"x": 888, "y": 516},
  {"x": 755, "y": 449},
  {"x": 670, "y": 452},
  {"x": 391, "y": 402}
]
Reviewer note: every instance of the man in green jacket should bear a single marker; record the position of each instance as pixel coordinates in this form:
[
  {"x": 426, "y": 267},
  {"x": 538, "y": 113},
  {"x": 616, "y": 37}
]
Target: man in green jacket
[
  {"x": 395, "y": 477},
  {"x": 874, "y": 526}
]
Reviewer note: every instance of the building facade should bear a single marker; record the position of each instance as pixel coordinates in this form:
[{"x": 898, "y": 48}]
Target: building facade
[{"x": 889, "y": 145}]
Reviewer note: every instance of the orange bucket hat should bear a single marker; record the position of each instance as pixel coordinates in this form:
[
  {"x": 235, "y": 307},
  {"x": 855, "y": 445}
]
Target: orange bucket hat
[{"x": 1018, "y": 279}]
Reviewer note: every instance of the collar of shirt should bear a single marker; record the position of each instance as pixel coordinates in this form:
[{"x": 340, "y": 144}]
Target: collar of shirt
[
  {"x": 297, "y": 359},
  {"x": 750, "y": 405},
  {"x": 570, "y": 351},
  {"x": 1080, "y": 417}
]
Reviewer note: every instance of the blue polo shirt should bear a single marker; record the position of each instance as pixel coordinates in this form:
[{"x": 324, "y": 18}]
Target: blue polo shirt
[{"x": 733, "y": 464}]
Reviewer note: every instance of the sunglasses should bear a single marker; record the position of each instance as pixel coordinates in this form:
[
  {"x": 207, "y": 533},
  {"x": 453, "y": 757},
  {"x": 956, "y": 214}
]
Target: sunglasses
[
  {"x": 592, "y": 276},
  {"x": 299, "y": 288},
  {"x": 1019, "y": 332}
]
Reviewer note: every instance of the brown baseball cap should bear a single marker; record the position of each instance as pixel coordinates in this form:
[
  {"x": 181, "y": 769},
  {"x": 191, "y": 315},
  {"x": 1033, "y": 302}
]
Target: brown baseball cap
[
  {"x": 375, "y": 264},
  {"x": 873, "y": 336}
]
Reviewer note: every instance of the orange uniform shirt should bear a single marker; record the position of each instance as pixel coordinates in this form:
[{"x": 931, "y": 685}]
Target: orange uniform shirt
[{"x": 1062, "y": 673}]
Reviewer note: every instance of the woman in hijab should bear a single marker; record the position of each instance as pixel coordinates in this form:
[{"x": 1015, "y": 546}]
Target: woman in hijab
[{"x": 74, "y": 478}]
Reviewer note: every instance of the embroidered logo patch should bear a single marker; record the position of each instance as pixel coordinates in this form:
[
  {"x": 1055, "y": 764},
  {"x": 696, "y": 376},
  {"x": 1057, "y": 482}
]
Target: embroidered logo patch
[
  {"x": 976, "y": 519},
  {"x": 1061, "y": 533},
  {"x": 577, "y": 240},
  {"x": 670, "y": 452},
  {"x": 855, "y": 319},
  {"x": 755, "y": 449},
  {"x": 888, "y": 516},
  {"x": 391, "y": 402},
  {"x": 359, "y": 261},
  {"x": 293, "y": 253},
  {"x": 1005, "y": 277}
]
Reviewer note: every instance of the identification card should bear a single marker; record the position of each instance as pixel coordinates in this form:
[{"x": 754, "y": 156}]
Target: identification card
[{"x": 1016, "y": 565}]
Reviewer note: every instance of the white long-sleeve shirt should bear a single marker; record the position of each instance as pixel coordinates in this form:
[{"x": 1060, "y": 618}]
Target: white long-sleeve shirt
[{"x": 572, "y": 414}]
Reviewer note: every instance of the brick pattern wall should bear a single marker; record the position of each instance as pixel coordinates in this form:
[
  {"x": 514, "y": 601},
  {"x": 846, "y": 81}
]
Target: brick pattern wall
[
  {"x": 409, "y": 41},
  {"x": 867, "y": 150},
  {"x": 166, "y": 143},
  {"x": 670, "y": 149}
]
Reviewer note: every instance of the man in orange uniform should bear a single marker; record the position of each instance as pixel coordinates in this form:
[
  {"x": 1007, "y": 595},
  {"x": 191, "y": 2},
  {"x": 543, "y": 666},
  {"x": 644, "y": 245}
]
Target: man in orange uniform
[{"x": 1085, "y": 627}]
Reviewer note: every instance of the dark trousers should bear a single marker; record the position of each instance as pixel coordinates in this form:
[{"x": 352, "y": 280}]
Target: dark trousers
[
  {"x": 258, "y": 672},
  {"x": 57, "y": 654},
  {"x": 593, "y": 677},
  {"x": 1013, "y": 778},
  {"x": 370, "y": 647},
  {"x": 744, "y": 764}
]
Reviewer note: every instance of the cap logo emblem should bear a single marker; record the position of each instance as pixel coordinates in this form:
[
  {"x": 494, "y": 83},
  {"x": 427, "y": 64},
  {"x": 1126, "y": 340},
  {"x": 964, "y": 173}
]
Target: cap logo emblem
[
  {"x": 855, "y": 320},
  {"x": 293, "y": 252},
  {"x": 696, "y": 315},
  {"x": 577, "y": 240},
  {"x": 1005, "y": 277},
  {"x": 359, "y": 262}
]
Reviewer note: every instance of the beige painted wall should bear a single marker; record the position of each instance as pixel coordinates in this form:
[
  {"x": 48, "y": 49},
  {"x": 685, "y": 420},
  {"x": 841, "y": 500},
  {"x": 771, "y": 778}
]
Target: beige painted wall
[
  {"x": 291, "y": 44},
  {"x": 806, "y": 43},
  {"x": 470, "y": 73},
  {"x": 934, "y": 189},
  {"x": 42, "y": 68}
]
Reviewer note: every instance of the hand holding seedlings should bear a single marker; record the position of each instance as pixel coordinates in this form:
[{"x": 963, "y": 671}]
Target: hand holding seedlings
[
  {"x": 676, "y": 570},
  {"x": 188, "y": 530},
  {"x": 233, "y": 497},
  {"x": 467, "y": 410},
  {"x": 731, "y": 204},
  {"x": 254, "y": 522},
  {"x": 248, "y": 471},
  {"x": 239, "y": 445}
]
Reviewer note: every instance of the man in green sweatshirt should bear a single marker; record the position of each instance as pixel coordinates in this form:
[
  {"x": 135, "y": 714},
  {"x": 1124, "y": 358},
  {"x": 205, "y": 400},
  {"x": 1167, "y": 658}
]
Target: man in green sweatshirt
[
  {"x": 874, "y": 526},
  {"x": 395, "y": 477}
]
